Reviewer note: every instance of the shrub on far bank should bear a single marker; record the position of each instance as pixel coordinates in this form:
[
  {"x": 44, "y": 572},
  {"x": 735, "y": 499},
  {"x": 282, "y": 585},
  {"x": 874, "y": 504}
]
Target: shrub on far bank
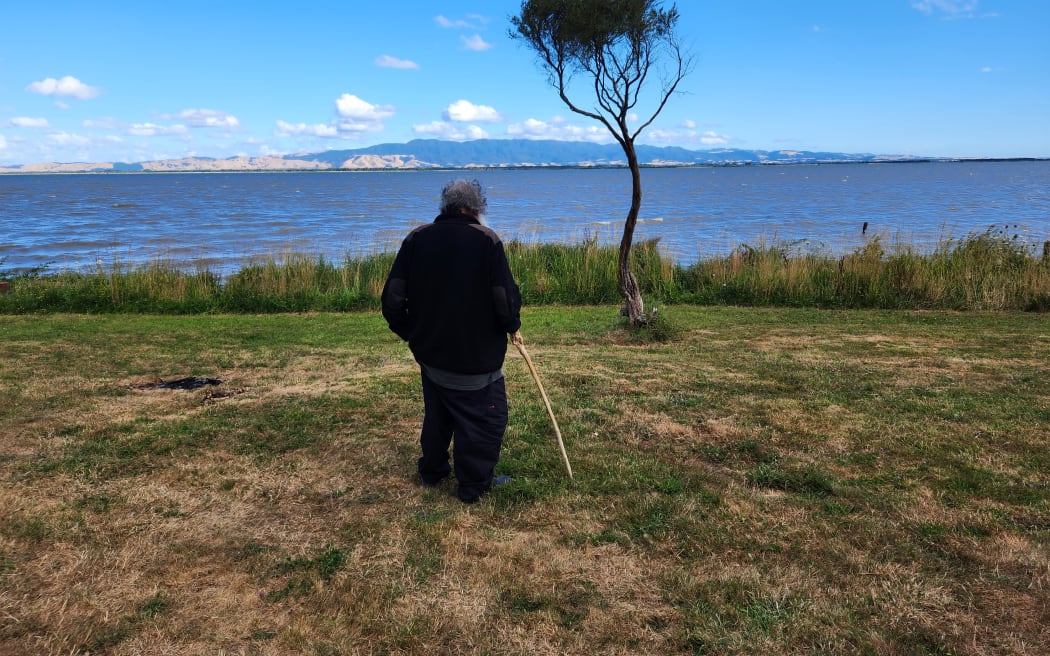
[{"x": 987, "y": 271}]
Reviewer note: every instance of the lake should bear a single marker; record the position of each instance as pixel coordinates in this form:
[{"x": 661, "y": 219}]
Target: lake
[{"x": 222, "y": 220}]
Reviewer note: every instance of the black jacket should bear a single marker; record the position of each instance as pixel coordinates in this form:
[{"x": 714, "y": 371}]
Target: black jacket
[{"x": 451, "y": 295}]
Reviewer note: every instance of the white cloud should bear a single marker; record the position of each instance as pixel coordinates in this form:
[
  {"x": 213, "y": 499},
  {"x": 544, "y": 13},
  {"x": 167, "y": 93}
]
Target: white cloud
[
  {"x": 386, "y": 61},
  {"x": 67, "y": 139},
  {"x": 466, "y": 111},
  {"x": 144, "y": 129},
  {"x": 3, "y": 142},
  {"x": 558, "y": 129},
  {"x": 951, "y": 7},
  {"x": 357, "y": 116},
  {"x": 356, "y": 127},
  {"x": 352, "y": 107},
  {"x": 472, "y": 22},
  {"x": 67, "y": 86},
  {"x": 688, "y": 137},
  {"x": 447, "y": 23},
  {"x": 317, "y": 130},
  {"x": 27, "y": 122},
  {"x": 450, "y": 131},
  {"x": 475, "y": 43},
  {"x": 154, "y": 130},
  {"x": 104, "y": 123},
  {"x": 354, "y": 117},
  {"x": 209, "y": 118},
  {"x": 663, "y": 137}
]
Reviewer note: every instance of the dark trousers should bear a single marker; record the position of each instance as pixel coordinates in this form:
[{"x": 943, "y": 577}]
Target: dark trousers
[{"x": 478, "y": 420}]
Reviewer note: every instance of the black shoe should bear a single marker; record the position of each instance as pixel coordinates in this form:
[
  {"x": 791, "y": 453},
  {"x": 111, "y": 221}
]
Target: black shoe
[
  {"x": 426, "y": 485},
  {"x": 498, "y": 481}
]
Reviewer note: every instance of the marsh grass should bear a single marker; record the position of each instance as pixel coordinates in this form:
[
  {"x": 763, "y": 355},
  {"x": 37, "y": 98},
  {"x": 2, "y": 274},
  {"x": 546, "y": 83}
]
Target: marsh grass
[
  {"x": 986, "y": 271},
  {"x": 584, "y": 273},
  {"x": 771, "y": 481}
]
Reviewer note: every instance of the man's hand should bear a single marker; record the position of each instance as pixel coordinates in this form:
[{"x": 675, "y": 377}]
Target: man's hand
[{"x": 516, "y": 339}]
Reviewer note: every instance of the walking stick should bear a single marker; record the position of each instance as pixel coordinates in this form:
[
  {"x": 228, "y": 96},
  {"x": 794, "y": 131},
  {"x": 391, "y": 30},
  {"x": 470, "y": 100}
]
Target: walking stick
[{"x": 536, "y": 377}]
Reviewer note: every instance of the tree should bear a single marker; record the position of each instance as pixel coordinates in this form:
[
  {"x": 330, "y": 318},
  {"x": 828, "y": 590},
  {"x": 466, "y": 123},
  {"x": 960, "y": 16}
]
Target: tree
[{"x": 617, "y": 45}]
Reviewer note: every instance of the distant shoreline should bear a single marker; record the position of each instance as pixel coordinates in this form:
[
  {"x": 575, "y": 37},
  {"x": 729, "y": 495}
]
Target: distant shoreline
[
  {"x": 486, "y": 154},
  {"x": 509, "y": 167}
]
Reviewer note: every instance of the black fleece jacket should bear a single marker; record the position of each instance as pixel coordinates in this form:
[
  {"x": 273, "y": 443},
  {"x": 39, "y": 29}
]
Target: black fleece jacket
[{"x": 451, "y": 296}]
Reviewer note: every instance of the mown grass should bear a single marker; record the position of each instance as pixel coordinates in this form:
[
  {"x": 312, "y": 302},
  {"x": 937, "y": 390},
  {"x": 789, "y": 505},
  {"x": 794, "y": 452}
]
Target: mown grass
[
  {"x": 986, "y": 271},
  {"x": 769, "y": 481}
]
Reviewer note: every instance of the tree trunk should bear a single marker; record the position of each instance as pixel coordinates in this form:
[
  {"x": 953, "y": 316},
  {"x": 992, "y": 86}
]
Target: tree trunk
[{"x": 632, "y": 296}]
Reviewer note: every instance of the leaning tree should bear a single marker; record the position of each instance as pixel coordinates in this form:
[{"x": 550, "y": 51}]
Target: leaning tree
[{"x": 616, "y": 46}]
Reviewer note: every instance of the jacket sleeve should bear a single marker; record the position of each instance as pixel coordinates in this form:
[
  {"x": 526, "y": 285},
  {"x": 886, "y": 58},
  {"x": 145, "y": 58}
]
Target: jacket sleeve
[
  {"x": 505, "y": 293},
  {"x": 395, "y": 296}
]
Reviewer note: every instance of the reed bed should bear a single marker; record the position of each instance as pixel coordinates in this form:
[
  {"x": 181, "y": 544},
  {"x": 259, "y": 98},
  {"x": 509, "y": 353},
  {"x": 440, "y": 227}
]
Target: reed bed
[{"x": 983, "y": 272}]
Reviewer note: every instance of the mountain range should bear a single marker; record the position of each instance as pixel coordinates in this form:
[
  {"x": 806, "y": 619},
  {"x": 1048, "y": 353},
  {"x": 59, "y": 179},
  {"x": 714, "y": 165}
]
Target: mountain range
[{"x": 482, "y": 153}]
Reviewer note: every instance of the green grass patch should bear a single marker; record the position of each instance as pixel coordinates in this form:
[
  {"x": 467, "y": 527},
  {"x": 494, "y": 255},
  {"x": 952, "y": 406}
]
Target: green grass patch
[{"x": 770, "y": 480}]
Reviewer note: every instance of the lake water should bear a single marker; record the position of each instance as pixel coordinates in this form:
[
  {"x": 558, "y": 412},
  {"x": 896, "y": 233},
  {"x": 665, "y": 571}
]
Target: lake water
[{"x": 222, "y": 220}]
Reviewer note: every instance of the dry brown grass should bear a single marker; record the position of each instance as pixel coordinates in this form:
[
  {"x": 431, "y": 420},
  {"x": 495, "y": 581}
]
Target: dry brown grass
[{"x": 773, "y": 482}]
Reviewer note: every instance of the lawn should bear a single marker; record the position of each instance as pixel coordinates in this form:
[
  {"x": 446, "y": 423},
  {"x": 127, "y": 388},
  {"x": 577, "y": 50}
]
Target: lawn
[{"x": 770, "y": 481}]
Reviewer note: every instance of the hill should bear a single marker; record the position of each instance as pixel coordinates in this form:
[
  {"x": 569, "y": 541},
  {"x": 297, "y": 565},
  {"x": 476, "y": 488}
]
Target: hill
[{"x": 482, "y": 153}]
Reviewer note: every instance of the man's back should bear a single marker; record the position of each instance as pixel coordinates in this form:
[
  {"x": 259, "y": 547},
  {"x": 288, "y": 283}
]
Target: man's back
[{"x": 459, "y": 300}]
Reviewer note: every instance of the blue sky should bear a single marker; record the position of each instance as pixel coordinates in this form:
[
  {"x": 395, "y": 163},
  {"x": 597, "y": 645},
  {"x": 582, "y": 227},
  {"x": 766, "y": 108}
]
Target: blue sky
[{"x": 133, "y": 81}]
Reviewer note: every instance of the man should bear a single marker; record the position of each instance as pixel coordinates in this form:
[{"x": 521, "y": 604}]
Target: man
[{"x": 450, "y": 294}]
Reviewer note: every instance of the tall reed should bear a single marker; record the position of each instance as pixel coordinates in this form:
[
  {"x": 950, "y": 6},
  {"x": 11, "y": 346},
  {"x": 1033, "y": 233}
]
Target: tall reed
[
  {"x": 300, "y": 283},
  {"x": 985, "y": 271},
  {"x": 585, "y": 273}
]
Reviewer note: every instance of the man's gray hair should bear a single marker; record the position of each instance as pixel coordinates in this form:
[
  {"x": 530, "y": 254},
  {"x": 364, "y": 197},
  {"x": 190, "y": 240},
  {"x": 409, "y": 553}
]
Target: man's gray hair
[{"x": 463, "y": 195}]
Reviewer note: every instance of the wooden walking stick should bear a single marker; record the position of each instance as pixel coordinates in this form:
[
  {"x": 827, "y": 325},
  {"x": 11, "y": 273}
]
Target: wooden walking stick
[{"x": 536, "y": 377}]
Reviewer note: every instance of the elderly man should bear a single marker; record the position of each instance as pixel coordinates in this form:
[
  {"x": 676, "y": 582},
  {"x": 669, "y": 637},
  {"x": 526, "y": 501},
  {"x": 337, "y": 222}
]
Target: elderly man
[{"x": 451, "y": 296}]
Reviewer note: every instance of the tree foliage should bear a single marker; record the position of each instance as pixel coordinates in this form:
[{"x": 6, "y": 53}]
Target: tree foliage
[
  {"x": 617, "y": 43},
  {"x": 617, "y": 46}
]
